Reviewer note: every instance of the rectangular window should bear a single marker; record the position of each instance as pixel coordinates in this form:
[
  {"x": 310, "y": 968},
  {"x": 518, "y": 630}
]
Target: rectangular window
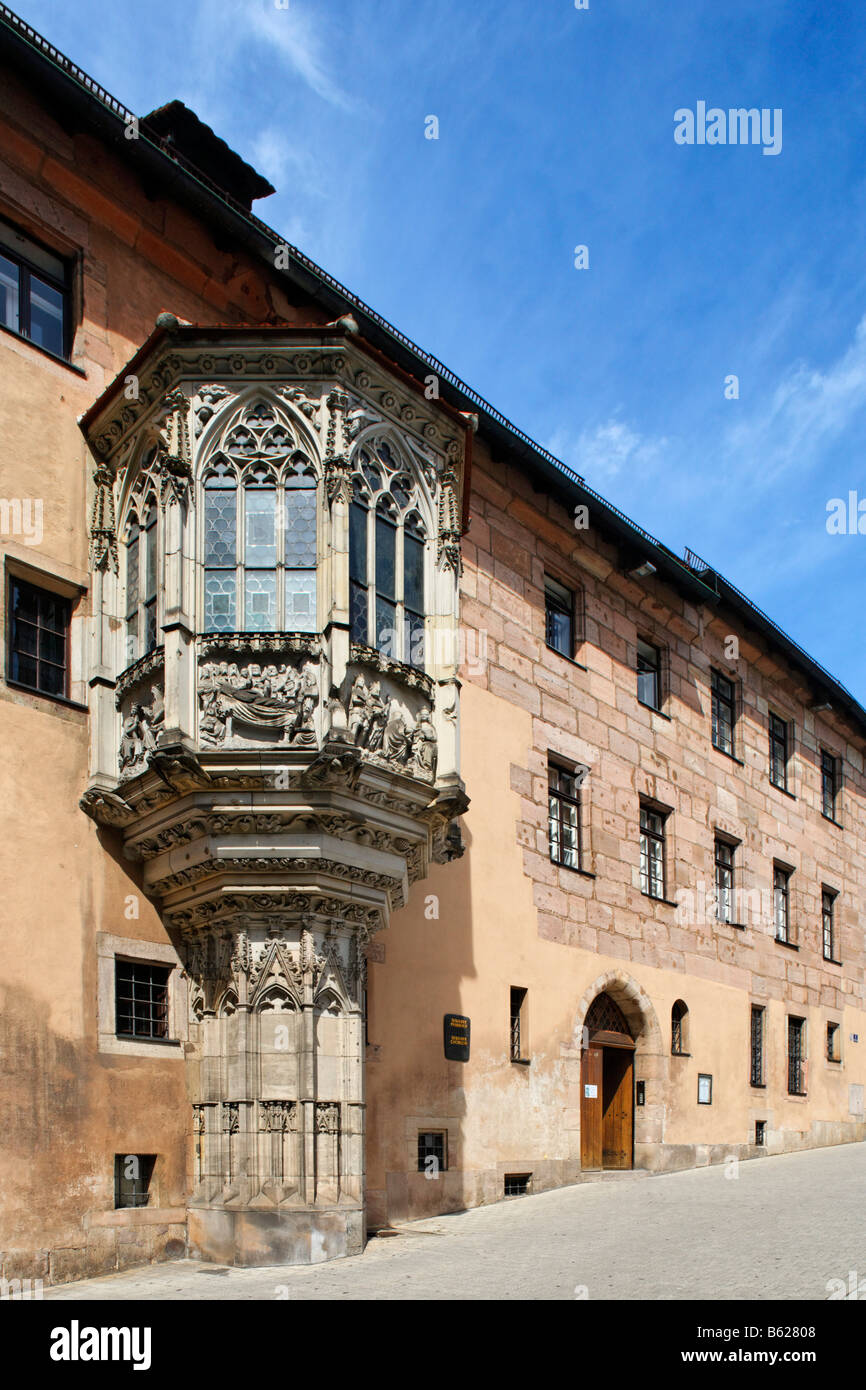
[
  {"x": 724, "y": 881},
  {"x": 760, "y": 1133},
  {"x": 564, "y": 817},
  {"x": 519, "y": 1037},
  {"x": 778, "y": 752},
  {"x": 358, "y": 615},
  {"x": 38, "y": 638},
  {"x": 829, "y": 784},
  {"x": 517, "y": 1184},
  {"x": 413, "y": 600},
  {"x": 140, "y": 999},
  {"x": 756, "y": 1050},
  {"x": 559, "y": 616},
  {"x": 34, "y": 292},
  {"x": 386, "y": 587},
  {"x": 432, "y": 1151},
  {"x": 833, "y": 1054},
  {"x": 652, "y": 853},
  {"x": 781, "y": 903},
  {"x": 723, "y": 712},
  {"x": 132, "y": 1179},
  {"x": 828, "y": 923},
  {"x": 649, "y": 674},
  {"x": 796, "y": 1056}
]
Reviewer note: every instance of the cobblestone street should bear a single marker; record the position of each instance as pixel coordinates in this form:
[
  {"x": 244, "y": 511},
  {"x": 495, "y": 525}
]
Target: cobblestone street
[{"x": 781, "y": 1228}]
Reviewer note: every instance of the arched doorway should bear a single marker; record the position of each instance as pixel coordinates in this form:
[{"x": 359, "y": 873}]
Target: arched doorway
[{"x": 606, "y": 1087}]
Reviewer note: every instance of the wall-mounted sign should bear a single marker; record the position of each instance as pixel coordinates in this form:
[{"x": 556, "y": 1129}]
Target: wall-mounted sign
[
  {"x": 591, "y": 1092},
  {"x": 456, "y": 1037}
]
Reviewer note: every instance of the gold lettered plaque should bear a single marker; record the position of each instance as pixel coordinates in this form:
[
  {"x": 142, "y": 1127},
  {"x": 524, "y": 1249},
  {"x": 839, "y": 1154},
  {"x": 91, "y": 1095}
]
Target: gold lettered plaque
[{"x": 456, "y": 1037}]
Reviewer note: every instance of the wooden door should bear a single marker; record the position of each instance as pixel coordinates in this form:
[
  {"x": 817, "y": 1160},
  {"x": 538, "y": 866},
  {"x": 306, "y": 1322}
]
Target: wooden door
[
  {"x": 591, "y": 1090},
  {"x": 618, "y": 1103}
]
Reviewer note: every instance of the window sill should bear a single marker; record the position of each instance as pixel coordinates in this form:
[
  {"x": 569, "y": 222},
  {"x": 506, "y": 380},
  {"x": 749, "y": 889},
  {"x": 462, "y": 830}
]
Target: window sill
[
  {"x": 668, "y": 902},
  {"x": 838, "y": 824},
  {"x": 738, "y": 926},
  {"x": 834, "y": 1061},
  {"x": 831, "y": 960},
  {"x": 789, "y": 945},
  {"x": 783, "y": 790},
  {"x": 44, "y": 695},
  {"x": 725, "y": 754},
  {"x": 146, "y": 1042},
  {"x": 681, "y": 1054},
  {"x": 653, "y": 709},
  {"x": 46, "y": 352},
  {"x": 758, "y": 1085},
  {"x": 570, "y": 659},
  {"x": 572, "y": 869},
  {"x": 520, "y": 1061}
]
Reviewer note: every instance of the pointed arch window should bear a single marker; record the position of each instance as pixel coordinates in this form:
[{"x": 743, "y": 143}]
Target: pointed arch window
[
  {"x": 260, "y": 546},
  {"x": 142, "y": 581},
  {"x": 386, "y": 559}
]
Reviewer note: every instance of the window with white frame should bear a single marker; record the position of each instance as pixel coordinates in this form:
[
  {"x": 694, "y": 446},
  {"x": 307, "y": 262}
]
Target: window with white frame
[{"x": 386, "y": 557}]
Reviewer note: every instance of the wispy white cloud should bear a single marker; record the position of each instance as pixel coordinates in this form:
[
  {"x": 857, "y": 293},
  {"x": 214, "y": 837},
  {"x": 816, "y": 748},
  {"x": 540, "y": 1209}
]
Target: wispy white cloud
[
  {"x": 293, "y": 34},
  {"x": 600, "y": 453}
]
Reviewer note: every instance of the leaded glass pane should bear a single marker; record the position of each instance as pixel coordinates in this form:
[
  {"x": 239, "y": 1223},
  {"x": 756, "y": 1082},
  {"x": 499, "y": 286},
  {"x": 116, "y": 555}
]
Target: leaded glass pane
[
  {"x": 260, "y": 601},
  {"x": 413, "y": 574},
  {"x": 300, "y": 601},
  {"x": 386, "y": 579},
  {"x": 150, "y": 574},
  {"x": 219, "y": 602},
  {"x": 301, "y": 528},
  {"x": 358, "y": 543},
  {"x": 386, "y": 628},
  {"x": 150, "y": 625},
  {"x": 132, "y": 573},
  {"x": 413, "y": 637},
  {"x": 220, "y": 527},
  {"x": 260, "y": 538},
  {"x": 358, "y": 612}
]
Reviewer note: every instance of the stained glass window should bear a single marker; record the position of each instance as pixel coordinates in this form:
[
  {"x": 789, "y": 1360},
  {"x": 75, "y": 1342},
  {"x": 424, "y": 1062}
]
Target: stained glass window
[{"x": 386, "y": 564}]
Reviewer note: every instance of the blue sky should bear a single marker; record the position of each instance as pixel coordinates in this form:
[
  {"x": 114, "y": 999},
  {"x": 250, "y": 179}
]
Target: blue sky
[{"x": 556, "y": 129}]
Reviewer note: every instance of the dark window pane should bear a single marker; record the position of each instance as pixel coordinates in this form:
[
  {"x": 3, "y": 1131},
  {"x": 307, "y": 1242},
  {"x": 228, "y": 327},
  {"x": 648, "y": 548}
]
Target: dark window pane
[
  {"x": 9, "y": 301},
  {"x": 52, "y": 679},
  {"x": 386, "y": 628},
  {"x": 52, "y": 646},
  {"x": 27, "y": 638},
  {"x": 24, "y": 669},
  {"x": 413, "y": 574},
  {"x": 46, "y": 316},
  {"x": 386, "y": 579},
  {"x": 358, "y": 612},
  {"x": 358, "y": 543},
  {"x": 559, "y": 617},
  {"x": 25, "y": 602},
  {"x": 414, "y": 639}
]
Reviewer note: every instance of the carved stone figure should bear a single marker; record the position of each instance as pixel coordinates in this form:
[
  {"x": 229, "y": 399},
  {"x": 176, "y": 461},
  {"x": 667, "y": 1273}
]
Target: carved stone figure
[
  {"x": 140, "y": 730},
  {"x": 274, "y": 698}
]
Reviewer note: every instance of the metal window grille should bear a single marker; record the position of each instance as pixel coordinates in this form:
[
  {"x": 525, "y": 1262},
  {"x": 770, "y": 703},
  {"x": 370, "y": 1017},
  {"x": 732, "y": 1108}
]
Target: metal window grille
[
  {"x": 828, "y": 924},
  {"x": 141, "y": 999},
  {"x": 431, "y": 1146},
  {"x": 724, "y": 881},
  {"x": 652, "y": 853},
  {"x": 778, "y": 752},
  {"x": 796, "y": 1057},
  {"x": 678, "y": 1032},
  {"x": 648, "y": 674},
  {"x": 756, "y": 1072},
  {"x": 518, "y": 998},
  {"x": 132, "y": 1178},
  {"x": 39, "y": 639},
  {"x": 832, "y": 1042},
  {"x": 517, "y": 1184},
  {"x": 564, "y": 833},
  {"x": 760, "y": 1132},
  {"x": 723, "y": 712},
  {"x": 829, "y": 783},
  {"x": 781, "y": 904},
  {"x": 559, "y": 617}
]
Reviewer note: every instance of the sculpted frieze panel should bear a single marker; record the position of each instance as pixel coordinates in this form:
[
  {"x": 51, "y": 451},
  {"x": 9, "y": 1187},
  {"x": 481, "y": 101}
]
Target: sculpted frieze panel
[{"x": 247, "y": 703}]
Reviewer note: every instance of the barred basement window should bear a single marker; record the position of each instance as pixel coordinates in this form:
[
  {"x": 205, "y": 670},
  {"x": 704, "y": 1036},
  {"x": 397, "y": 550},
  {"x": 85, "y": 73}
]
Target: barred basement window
[
  {"x": 39, "y": 638},
  {"x": 828, "y": 924},
  {"x": 432, "y": 1151},
  {"x": 781, "y": 903},
  {"x": 519, "y": 1039},
  {"x": 132, "y": 1178},
  {"x": 756, "y": 1048},
  {"x": 796, "y": 1056},
  {"x": 829, "y": 784},
  {"x": 563, "y": 817},
  {"x": 517, "y": 1184},
  {"x": 141, "y": 999},
  {"x": 559, "y": 616},
  {"x": 760, "y": 1133},
  {"x": 34, "y": 292},
  {"x": 652, "y": 853},
  {"x": 724, "y": 881},
  {"x": 680, "y": 1029},
  {"x": 833, "y": 1054},
  {"x": 723, "y": 712},
  {"x": 649, "y": 674},
  {"x": 778, "y": 752}
]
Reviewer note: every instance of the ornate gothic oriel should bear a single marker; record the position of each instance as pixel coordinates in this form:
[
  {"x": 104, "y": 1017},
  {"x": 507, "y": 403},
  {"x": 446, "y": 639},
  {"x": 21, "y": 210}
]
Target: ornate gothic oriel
[{"x": 275, "y": 555}]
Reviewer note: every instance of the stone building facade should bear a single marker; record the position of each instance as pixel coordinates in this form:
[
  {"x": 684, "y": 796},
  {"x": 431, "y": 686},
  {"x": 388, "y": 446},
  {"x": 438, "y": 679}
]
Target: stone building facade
[{"x": 334, "y": 707}]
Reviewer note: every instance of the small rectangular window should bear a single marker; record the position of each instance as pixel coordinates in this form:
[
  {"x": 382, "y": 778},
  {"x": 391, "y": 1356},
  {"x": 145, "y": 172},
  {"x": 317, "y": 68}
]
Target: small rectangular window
[
  {"x": 517, "y": 1184},
  {"x": 34, "y": 292},
  {"x": 519, "y": 1035},
  {"x": 132, "y": 1179},
  {"x": 833, "y": 1054},
  {"x": 828, "y": 924},
  {"x": 432, "y": 1151},
  {"x": 756, "y": 1049},
  {"x": 829, "y": 784},
  {"x": 723, "y": 712},
  {"x": 724, "y": 881},
  {"x": 649, "y": 674},
  {"x": 781, "y": 903},
  {"x": 796, "y": 1056},
  {"x": 141, "y": 999},
  {"x": 778, "y": 752},
  {"x": 760, "y": 1133},
  {"x": 563, "y": 822},
  {"x": 652, "y": 853},
  {"x": 559, "y": 616},
  {"x": 38, "y": 638}
]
